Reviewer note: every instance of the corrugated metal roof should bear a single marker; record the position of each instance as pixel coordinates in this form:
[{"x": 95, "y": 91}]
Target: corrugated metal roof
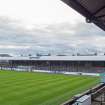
[
  {"x": 58, "y": 58},
  {"x": 93, "y": 10}
]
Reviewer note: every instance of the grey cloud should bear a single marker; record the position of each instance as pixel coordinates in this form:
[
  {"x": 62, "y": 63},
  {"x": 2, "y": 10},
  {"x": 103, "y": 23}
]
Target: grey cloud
[{"x": 56, "y": 38}]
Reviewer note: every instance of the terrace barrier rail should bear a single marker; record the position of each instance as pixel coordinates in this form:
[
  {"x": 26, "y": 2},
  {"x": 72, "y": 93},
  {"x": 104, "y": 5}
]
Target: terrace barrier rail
[{"x": 94, "y": 92}]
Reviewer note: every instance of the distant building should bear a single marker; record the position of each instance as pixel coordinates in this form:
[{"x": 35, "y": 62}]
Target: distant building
[
  {"x": 61, "y": 55},
  {"x": 5, "y": 55},
  {"x": 43, "y": 54}
]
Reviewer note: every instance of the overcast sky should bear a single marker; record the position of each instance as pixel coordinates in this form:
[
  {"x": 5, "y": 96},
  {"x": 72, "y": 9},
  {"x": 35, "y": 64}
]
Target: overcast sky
[
  {"x": 45, "y": 25},
  {"x": 31, "y": 12}
]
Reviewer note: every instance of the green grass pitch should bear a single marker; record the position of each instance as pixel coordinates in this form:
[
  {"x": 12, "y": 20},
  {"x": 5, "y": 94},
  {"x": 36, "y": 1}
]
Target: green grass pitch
[{"x": 24, "y": 88}]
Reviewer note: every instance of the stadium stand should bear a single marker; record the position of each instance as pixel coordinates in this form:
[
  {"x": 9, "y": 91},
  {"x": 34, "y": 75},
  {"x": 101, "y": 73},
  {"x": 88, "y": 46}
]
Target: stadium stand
[{"x": 57, "y": 64}]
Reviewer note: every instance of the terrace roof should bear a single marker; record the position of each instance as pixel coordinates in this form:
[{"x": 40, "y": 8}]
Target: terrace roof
[
  {"x": 56, "y": 58},
  {"x": 93, "y": 10}
]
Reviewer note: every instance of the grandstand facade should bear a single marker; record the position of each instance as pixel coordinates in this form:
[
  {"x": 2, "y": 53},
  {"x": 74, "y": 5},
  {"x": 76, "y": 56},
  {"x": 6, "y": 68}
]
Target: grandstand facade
[{"x": 57, "y": 64}]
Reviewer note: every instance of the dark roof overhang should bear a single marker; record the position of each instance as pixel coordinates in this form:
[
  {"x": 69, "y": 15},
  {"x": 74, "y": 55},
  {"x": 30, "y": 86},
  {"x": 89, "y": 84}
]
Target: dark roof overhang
[{"x": 93, "y": 10}]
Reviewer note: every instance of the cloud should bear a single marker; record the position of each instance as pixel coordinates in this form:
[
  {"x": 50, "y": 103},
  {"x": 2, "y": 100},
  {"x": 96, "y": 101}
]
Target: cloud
[{"x": 57, "y": 38}]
